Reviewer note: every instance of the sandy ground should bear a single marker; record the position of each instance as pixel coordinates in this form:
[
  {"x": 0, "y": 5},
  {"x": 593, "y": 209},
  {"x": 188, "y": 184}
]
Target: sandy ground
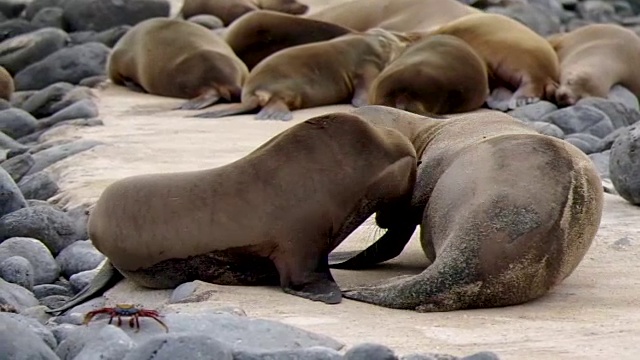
[{"x": 595, "y": 313}]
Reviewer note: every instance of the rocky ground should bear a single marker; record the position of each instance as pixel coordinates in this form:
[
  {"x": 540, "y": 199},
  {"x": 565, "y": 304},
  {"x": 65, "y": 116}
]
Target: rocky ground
[{"x": 62, "y": 142}]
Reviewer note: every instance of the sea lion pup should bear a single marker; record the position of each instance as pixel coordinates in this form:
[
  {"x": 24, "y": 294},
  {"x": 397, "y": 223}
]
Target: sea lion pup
[
  {"x": 7, "y": 86},
  {"x": 230, "y": 10},
  {"x": 517, "y": 58},
  {"x": 317, "y": 74},
  {"x": 505, "y": 213},
  {"x": 439, "y": 75},
  {"x": 593, "y": 59},
  {"x": 393, "y": 15},
  {"x": 258, "y": 34},
  {"x": 177, "y": 58},
  {"x": 269, "y": 218}
]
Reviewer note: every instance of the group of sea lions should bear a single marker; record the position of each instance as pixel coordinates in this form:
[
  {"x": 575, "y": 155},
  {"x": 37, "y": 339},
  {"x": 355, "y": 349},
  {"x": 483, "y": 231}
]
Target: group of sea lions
[{"x": 505, "y": 213}]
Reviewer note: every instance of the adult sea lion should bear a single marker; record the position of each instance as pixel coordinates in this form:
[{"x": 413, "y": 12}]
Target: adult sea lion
[
  {"x": 518, "y": 59},
  {"x": 505, "y": 213},
  {"x": 322, "y": 73},
  {"x": 258, "y": 34},
  {"x": 439, "y": 75},
  {"x": 229, "y": 10},
  {"x": 177, "y": 58},
  {"x": 393, "y": 15},
  {"x": 269, "y": 218},
  {"x": 7, "y": 86},
  {"x": 593, "y": 59}
]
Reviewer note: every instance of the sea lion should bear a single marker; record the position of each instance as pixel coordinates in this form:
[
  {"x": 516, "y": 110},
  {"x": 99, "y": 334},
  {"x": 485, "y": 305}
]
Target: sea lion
[
  {"x": 230, "y": 10},
  {"x": 505, "y": 213},
  {"x": 7, "y": 86},
  {"x": 393, "y": 15},
  {"x": 518, "y": 59},
  {"x": 269, "y": 218},
  {"x": 258, "y": 34},
  {"x": 177, "y": 58},
  {"x": 593, "y": 59},
  {"x": 322, "y": 73},
  {"x": 439, "y": 75}
]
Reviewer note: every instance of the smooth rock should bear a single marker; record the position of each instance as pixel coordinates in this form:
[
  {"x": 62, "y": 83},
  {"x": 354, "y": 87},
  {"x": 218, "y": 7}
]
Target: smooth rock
[
  {"x": 607, "y": 142},
  {"x": 107, "y": 37},
  {"x": 312, "y": 353},
  {"x": 17, "y": 270},
  {"x": 62, "y": 331},
  {"x": 19, "y": 342},
  {"x": 8, "y": 143},
  {"x": 37, "y": 313},
  {"x": 79, "y": 256},
  {"x": 49, "y": 17},
  {"x": 533, "y": 112},
  {"x": 42, "y": 103},
  {"x": 601, "y": 161},
  {"x": 45, "y": 158},
  {"x": 538, "y": 19},
  {"x": 11, "y": 199},
  {"x": 18, "y": 166},
  {"x": 14, "y": 27},
  {"x": 37, "y": 328},
  {"x": 82, "y": 279},
  {"x": 46, "y": 269},
  {"x": 174, "y": 346},
  {"x": 547, "y": 129},
  {"x": 52, "y": 227},
  {"x": 581, "y": 119},
  {"x": 16, "y": 296},
  {"x": 624, "y": 164},
  {"x": 482, "y": 355},
  {"x": 17, "y": 123},
  {"x": 70, "y": 65},
  {"x": 35, "y": 6},
  {"x": 619, "y": 93},
  {"x": 83, "y": 109},
  {"x": 183, "y": 291},
  {"x": 111, "y": 343},
  {"x": 54, "y": 301},
  {"x": 24, "y": 50},
  {"x": 44, "y": 290},
  {"x": 77, "y": 93},
  {"x": 38, "y": 186},
  {"x": 370, "y": 351},
  {"x": 12, "y": 8},
  {"x": 597, "y": 11},
  {"x": 99, "y": 15},
  {"x": 618, "y": 113},
  {"x": 585, "y": 142}
]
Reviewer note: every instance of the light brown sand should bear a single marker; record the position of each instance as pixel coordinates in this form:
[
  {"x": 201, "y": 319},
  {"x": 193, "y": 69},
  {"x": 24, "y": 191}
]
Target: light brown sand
[{"x": 595, "y": 313}]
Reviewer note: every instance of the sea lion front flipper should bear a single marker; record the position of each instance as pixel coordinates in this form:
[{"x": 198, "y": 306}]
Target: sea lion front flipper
[
  {"x": 107, "y": 277},
  {"x": 206, "y": 99},
  {"x": 229, "y": 109},
  {"x": 305, "y": 273},
  {"x": 386, "y": 248},
  {"x": 499, "y": 99},
  {"x": 367, "y": 75},
  {"x": 275, "y": 109},
  {"x": 133, "y": 86}
]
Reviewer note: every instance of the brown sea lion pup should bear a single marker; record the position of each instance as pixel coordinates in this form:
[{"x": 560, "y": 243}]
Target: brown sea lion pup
[
  {"x": 505, "y": 213},
  {"x": 177, "y": 58},
  {"x": 230, "y": 10},
  {"x": 258, "y": 34},
  {"x": 593, "y": 59},
  {"x": 439, "y": 75},
  {"x": 317, "y": 74},
  {"x": 517, "y": 58},
  {"x": 393, "y": 15},
  {"x": 269, "y": 218},
  {"x": 7, "y": 86}
]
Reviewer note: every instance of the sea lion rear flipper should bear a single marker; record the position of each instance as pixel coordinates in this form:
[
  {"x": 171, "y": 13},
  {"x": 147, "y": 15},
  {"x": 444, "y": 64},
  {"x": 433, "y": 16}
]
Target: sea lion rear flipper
[
  {"x": 229, "y": 109},
  {"x": 275, "y": 109},
  {"x": 206, "y": 99},
  {"x": 386, "y": 248},
  {"x": 105, "y": 279}
]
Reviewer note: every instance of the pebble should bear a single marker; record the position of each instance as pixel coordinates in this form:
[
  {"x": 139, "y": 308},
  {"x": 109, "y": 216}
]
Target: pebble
[
  {"x": 62, "y": 331},
  {"x": 18, "y": 166},
  {"x": 11, "y": 199},
  {"x": 78, "y": 257},
  {"x": 82, "y": 279},
  {"x": 44, "y": 290},
  {"x": 580, "y": 119},
  {"x": 173, "y": 346},
  {"x": 38, "y": 186},
  {"x": 17, "y": 123},
  {"x": 310, "y": 353},
  {"x": 82, "y": 109},
  {"x": 45, "y": 268},
  {"x": 24, "y": 50},
  {"x": 111, "y": 343},
  {"x": 370, "y": 351},
  {"x": 37, "y": 313},
  {"x": 42, "y": 103},
  {"x": 624, "y": 164},
  {"x": 8, "y": 143},
  {"x": 49, "y": 17},
  {"x": 14, "y": 27},
  {"x": 17, "y": 270},
  {"x": 98, "y": 15},
  {"x": 18, "y": 342},
  {"x": 16, "y": 296}
]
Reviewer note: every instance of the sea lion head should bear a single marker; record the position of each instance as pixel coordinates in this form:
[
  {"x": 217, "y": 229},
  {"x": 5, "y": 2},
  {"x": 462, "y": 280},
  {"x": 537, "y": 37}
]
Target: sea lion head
[{"x": 573, "y": 87}]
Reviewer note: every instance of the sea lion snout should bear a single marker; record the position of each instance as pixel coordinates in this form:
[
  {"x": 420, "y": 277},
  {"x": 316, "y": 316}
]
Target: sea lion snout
[{"x": 565, "y": 97}]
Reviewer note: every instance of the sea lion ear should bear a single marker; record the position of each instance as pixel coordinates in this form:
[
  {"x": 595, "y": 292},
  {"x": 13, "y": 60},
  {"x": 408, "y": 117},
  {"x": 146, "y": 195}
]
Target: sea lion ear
[{"x": 419, "y": 162}]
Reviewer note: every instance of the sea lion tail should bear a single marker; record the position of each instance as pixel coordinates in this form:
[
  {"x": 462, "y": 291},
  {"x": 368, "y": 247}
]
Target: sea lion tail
[
  {"x": 107, "y": 277},
  {"x": 230, "y": 109}
]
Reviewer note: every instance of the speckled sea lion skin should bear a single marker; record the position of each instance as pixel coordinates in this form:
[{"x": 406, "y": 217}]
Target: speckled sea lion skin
[{"x": 505, "y": 213}]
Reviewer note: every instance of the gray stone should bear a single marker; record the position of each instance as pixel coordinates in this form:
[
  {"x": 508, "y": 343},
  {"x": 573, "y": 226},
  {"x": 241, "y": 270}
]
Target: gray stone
[
  {"x": 51, "y": 226},
  {"x": 46, "y": 269},
  {"x": 533, "y": 112},
  {"x": 93, "y": 304},
  {"x": 8, "y": 143},
  {"x": 76, "y": 94},
  {"x": 37, "y": 328},
  {"x": 11, "y": 199},
  {"x": 12, "y": 8},
  {"x": 49, "y": 17},
  {"x": 183, "y": 291},
  {"x": 482, "y": 355},
  {"x": 80, "y": 217},
  {"x": 429, "y": 356},
  {"x": 607, "y": 142},
  {"x": 16, "y": 296},
  {"x": 54, "y": 301},
  {"x": 19, "y": 97},
  {"x": 82, "y": 279},
  {"x": 24, "y": 50},
  {"x": 45, "y": 158},
  {"x": 17, "y": 270},
  {"x": 601, "y": 161},
  {"x": 17, "y": 123},
  {"x": 597, "y": 11},
  {"x": 111, "y": 343},
  {"x": 79, "y": 256},
  {"x": 38, "y": 186},
  {"x": 35, "y": 6},
  {"x": 14, "y": 27},
  {"x": 80, "y": 122},
  {"x": 70, "y": 64},
  {"x": 624, "y": 164},
  {"x": 535, "y": 17},
  {"x": 18, "y": 166},
  {"x": 587, "y": 143},
  {"x": 42, "y": 103},
  {"x": 19, "y": 342},
  {"x": 547, "y": 129},
  {"x": 38, "y": 313},
  {"x": 370, "y": 351},
  {"x": 44, "y": 290},
  {"x": 618, "y": 113},
  {"x": 83, "y": 109},
  {"x": 99, "y": 15},
  {"x": 312, "y": 353},
  {"x": 62, "y": 331},
  {"x": 174, "y": 346},
  {"x": 108, "y": 37},
  {"x": 581, "y": 119},
  {"x": 619, "y": 93}
]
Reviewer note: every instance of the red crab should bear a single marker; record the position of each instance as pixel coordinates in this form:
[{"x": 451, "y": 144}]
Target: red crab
[{"x": 126, "y": 310}]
